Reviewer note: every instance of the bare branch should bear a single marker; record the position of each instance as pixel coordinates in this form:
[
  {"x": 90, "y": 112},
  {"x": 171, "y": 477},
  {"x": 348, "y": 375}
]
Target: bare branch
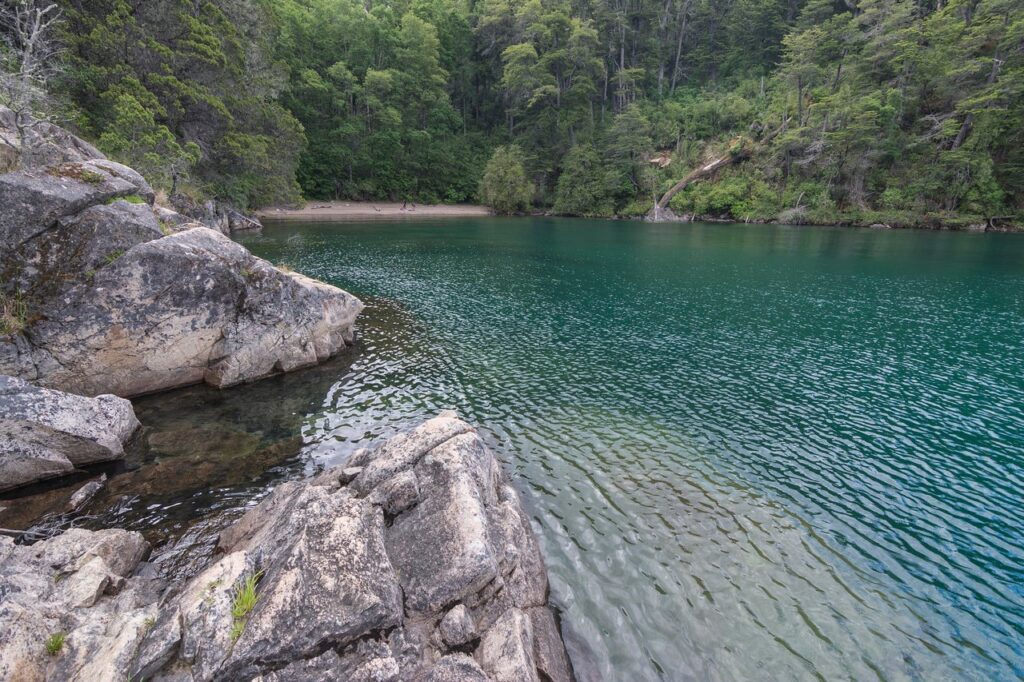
[{"x": 29, "y": 59}]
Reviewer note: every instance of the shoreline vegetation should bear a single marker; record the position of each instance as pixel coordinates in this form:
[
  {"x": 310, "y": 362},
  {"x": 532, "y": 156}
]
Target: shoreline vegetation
[{"x": 875, "y": 112}]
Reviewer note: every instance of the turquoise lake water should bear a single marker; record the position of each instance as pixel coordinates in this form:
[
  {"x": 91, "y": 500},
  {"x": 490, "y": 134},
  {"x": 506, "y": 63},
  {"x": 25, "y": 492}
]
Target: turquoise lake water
[{"x": 751, "y": 452}]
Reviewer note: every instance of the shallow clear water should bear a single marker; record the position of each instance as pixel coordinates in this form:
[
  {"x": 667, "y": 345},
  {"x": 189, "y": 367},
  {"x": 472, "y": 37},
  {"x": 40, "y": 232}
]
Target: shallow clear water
[{"x": 751, "y": 452}]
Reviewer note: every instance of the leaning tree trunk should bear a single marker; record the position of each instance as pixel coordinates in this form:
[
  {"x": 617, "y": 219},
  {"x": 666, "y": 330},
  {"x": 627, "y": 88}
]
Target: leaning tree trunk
[
  {"x": 707, "y": 170},
  {"x": 704, "y": 171}
]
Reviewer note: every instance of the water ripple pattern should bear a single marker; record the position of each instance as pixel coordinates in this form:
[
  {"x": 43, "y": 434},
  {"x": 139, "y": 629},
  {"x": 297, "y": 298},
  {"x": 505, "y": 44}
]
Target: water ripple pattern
[{"x": 752, "y": 453}]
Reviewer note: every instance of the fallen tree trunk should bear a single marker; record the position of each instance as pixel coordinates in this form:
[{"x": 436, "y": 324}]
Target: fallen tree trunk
[
  {"x": 704, "y": 171},
  {"x": 734, "y": 155}
]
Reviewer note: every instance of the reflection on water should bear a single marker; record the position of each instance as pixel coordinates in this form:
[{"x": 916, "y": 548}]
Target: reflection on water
[{"x": 752, "y": 452}]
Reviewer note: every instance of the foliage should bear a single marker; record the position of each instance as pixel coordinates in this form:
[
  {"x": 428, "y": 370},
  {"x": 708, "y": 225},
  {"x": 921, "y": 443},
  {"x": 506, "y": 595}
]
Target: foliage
[
  {"x": 243, "y": 602},
  {"x": 55, "y": 643},
  {"x": 581, "y": 185},
  {"x": 870, "y": 105},
  {"x": 505, "y": 187},
  {"x": 184, "y": 90}
]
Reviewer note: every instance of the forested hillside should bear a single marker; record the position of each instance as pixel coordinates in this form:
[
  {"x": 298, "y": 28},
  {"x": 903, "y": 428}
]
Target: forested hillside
[{"x": 828, "y": 110}]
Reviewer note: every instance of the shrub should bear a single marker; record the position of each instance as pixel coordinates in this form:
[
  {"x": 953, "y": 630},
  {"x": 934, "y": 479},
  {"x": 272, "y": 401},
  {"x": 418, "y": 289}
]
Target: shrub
[
  {"x": 505, "y": 187},
  {"x": 581, "y": 186}
]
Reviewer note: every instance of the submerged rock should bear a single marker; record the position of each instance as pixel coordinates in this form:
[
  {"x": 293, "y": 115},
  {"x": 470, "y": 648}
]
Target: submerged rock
[
  {"x": 318, "y": 582},
  {"x": 119, "y": 296},
  {"x": 46, "y": 433}
]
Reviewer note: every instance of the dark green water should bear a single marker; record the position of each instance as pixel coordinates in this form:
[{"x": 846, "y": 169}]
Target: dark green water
[{"x": 751, "y": 452}]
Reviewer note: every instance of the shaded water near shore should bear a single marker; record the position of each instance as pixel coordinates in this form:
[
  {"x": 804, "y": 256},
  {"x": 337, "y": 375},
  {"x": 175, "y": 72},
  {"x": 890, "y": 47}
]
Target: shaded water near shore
[{"x": 751, "y": 452}]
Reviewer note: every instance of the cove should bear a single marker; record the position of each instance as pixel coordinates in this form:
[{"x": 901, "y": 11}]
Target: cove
[{"x": 752, "y": 452}]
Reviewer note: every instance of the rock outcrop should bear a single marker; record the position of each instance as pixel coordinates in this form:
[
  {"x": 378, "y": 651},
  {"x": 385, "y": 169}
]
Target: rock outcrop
[
  {"x": 45, "y": 434},
  {"x": 39, "y": 144},
  {"x": 119, "y": 296},
  {"x": 413, "y": 562}
]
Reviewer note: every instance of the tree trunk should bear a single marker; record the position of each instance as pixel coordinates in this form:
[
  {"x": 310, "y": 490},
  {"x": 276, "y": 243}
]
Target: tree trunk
[
  {"x": 707, "y": 170},
  {"x": 679, "y": 52},
  {"x": 704, "y": 171}
]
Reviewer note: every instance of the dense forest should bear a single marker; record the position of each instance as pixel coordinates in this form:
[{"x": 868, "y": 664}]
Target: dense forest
[{"x": 899, "y": 111}]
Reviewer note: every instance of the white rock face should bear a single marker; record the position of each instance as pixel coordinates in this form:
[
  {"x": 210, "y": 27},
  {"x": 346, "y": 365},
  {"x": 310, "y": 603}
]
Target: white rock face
[
  {"x": 345, "y": 589},
  {"x": 46, "y": 433},
  {"x": 73, "y": 584}
]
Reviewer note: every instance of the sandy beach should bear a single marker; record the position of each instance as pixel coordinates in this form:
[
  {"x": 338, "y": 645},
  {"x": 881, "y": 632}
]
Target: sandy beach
[{"x": 366, "y": 210}]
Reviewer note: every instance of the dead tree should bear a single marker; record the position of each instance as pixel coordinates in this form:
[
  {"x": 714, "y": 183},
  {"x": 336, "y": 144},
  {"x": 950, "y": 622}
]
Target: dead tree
[
  {"x": 29, "y": 59},
  {"x": 738, "y": 151}
]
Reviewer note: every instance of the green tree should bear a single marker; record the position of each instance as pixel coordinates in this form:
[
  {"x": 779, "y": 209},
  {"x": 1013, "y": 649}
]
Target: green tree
[
  {"x": 581, "y": 186},
  {"x": 505, "y": 186}
]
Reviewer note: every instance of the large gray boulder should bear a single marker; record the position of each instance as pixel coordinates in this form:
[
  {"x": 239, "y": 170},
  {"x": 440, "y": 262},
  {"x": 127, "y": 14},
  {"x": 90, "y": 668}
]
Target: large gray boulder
[
  {"x": 342, "y": 590},
  {"x": 46, "y": 433},
  {"x": 445, "y": 588},
  {"x": 118, "y": 296},
  {"x": 187, "y": 308}
]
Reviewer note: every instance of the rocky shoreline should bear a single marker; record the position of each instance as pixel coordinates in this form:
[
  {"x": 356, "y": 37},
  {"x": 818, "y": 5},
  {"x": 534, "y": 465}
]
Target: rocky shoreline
[{"x": 413, "y": 560}]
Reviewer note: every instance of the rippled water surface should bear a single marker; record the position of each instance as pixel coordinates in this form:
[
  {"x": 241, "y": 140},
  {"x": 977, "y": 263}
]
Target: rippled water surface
[{"x": 752, "y": 453}]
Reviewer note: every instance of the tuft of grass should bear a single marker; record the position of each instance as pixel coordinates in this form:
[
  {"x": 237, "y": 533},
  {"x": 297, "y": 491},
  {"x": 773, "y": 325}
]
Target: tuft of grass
[
  {"x": 284, "y": 267},
  {"x": 13, "y": 313},
  {"x": 243, "y": 603},
  {"x": 113, "y": 256},
  {"x": 165, "y": 227},
  {"x": 55, "y": 643},
  {"x": 131, "y": 199}
]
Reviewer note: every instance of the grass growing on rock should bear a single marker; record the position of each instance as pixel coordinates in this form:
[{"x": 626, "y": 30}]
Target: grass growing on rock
[
  {"x": 13, "y": 313},
  {"x": 243, "y": 603},
  {"x": 55, "y": 643},
  {"x": 131, "y": 199},
  {"x": 113, "y": 256}
]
